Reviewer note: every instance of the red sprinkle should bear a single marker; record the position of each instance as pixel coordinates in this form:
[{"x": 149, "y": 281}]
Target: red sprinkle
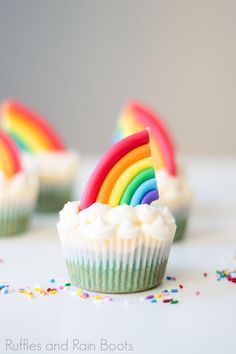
[
  {"x": 205, "y": 274},
  {"x": 167, "y": 300},
  {"x": 181, "y": 286}
]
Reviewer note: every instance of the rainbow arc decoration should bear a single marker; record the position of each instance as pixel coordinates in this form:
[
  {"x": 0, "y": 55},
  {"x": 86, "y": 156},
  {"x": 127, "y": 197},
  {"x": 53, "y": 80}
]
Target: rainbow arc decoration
[
  {"x": 10, "y": 162},
  {"x": 137, "y": 117},
  {"x": 124, "y": 175},
  {"x": 30, "y": 131}
]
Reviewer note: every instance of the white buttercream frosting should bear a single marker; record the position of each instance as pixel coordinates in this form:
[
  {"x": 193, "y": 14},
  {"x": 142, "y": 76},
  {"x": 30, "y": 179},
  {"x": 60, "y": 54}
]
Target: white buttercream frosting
[
  {"x": 100, "y": 221},
  {"x": 53, "y": 166},
  {"x": 22, "y": 188},
  {"x": 174, "y": 191}
]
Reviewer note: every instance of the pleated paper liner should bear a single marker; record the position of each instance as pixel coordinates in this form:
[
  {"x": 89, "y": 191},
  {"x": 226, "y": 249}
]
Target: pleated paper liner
[
  {"x": 116, "y": 265},
  {"x": 52, "y": 197},
  {"x": 15, "y": 219}
]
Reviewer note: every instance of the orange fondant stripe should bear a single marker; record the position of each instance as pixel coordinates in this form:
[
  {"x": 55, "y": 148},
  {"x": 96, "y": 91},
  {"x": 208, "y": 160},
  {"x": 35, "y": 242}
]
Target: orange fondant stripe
[
  {"x": 27, "y": 130},
  {"x": 6, "y": 163},
  {"x": 133, "y": 156}
]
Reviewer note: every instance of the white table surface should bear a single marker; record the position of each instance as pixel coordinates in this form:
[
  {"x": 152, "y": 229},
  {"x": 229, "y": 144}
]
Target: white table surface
[{"x": 198, "y": 324}]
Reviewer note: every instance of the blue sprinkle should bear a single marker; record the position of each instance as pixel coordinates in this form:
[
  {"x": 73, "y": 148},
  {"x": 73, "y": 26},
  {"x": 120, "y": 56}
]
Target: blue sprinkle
[
  {"x": 5, "y": 291},
  {"x": 168, "y": 277},
  {"x": 153, "y": 301},
  {"x": 165, "y": 291},
  {"x": 174, "y": 290},
  {"x": 52, "y": 280},
  {"x": 2, "y": 286}
]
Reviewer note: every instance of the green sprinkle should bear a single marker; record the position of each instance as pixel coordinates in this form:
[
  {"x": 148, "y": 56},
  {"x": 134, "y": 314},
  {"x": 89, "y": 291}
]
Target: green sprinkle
[
  {"x": 67, "y": 284},
  {"x": 174, "y": 302}
]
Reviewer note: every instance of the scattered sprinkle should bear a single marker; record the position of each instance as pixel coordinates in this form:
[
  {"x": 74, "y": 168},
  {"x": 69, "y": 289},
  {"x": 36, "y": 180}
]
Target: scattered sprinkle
[
  {"x": 205, "y": 274},
  {"x": 167, "y": 300},
  {"x": 107, "y": 298},
  {"x": 197, "y": 292},
  {"x": 153, "y": 301},
  {"x": 52, "y": 280},
  {"x": 173, "y": 302},
  {"x": 149, "y": 297},
  {"x": 97, "y": 297},
  {"x": 174, "y": 290},
  {"x": 169, "y": 277},
  {"x": 181, "y": 286},
  {"x": 229, "y": 275}
]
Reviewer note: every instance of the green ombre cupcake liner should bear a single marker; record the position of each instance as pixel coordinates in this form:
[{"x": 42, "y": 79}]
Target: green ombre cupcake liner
[
  {"x": 116, "y": 265},
  {"x": 52, "y": 197},
  {"x": 14, "y": 220},
  {"x": 181, "y": 216},
  {"x": 108, "y": 279}
]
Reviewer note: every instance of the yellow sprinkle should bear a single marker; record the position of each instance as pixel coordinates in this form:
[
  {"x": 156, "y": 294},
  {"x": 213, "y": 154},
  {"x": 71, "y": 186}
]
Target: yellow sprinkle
[
  {"x": 22, "y": 291},
  {"x": 38, "y": 290},
  {"x": 97, "y": 297},
  {"x": 158, "y": 296},
  {"x": 52, "y": 292},
  {"x": 30, "y": 295},
  {"x": 79, "y": 291}
]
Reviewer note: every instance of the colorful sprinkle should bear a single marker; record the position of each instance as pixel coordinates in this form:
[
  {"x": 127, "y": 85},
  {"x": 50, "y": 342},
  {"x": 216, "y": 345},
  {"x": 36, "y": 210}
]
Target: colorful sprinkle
[
  {"x": 174, "y": 302},
  {"x": 153, "y": 301},
  {"x": 167, "y": 300},
  {"x": 67, "y": 284},
  {"x": 97, "y": 297},
  {"x": 227, "y": 274},
  {"x": 149, "y": 297},
  {"x": 107, "y": 298}
]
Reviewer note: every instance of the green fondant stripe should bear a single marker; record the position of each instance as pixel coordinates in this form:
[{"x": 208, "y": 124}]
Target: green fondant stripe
[
  {"x": 135, "y": 183},
  {"x": 20, "y": 143}
]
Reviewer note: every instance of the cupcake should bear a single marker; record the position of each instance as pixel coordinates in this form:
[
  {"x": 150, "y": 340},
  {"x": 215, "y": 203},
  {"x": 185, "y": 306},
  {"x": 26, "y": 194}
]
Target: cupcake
[
  {"x": 43, "y": 153},
  {"x": 174, "y": 189},
  {"x": 176, "y": 193},
  {"x": 18, "y": 190},
  {"x": 117, "y": 239}
]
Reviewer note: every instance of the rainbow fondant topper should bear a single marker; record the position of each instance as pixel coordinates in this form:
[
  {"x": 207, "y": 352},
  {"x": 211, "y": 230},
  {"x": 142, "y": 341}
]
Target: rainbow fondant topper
[
  {"x": 137, "y": 117},
  {"x": 10, "y": 162},
  {"x": 124, "y": 175},
  {"x": 30, "y": 132}
]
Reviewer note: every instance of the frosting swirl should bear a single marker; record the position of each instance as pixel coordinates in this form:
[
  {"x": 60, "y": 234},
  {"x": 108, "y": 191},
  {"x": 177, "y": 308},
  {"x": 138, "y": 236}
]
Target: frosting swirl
[
  {"x": 100, "y": 221},
  {"x": 52, "y": 166}
]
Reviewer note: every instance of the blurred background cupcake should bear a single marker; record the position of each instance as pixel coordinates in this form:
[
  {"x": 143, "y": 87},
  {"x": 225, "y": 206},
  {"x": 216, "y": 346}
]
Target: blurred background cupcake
[
  {"x": 44, "y": 153},
  {"x": 18, "y": 189},
  {"x": 174, "y": 189}
]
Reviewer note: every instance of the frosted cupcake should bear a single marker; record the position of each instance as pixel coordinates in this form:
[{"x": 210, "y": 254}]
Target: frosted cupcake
[
  {"x": 116, "y": 240},
  {"x": 44, "y": 153},
  {"x": 176, "y": 193},
  {"x": 18, "y": 190},
  {"x": 173, "y": 187}
]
